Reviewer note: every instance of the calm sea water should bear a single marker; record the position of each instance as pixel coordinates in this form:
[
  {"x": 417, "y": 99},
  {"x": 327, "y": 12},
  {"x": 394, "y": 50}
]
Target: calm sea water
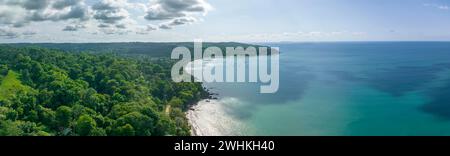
[{"x": 334, "y": 89}]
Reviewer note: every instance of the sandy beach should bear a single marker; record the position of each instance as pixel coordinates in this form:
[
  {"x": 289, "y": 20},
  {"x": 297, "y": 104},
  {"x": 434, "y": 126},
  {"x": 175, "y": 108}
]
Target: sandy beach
[
  {"x": 210, "y": 118},
  {"x": 202, "y": 121}
]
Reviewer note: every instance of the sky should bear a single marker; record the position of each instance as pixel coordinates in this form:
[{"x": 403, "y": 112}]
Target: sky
[{"x": 223, "y": 20}]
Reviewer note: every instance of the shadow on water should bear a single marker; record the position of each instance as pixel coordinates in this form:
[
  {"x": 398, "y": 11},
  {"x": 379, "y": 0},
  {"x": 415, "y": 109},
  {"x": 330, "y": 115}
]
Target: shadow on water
[
  {"x": 345, "y": 76},
  {"x": 395, "y": 81},
  {"x": 292, "y": 87},
  {"x": 401, "y": 80},
  {"x": 440, "y": 102}
]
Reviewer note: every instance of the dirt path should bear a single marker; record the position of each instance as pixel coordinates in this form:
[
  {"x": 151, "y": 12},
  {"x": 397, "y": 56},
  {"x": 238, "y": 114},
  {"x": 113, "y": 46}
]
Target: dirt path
[{"x": 167, "y": 111}]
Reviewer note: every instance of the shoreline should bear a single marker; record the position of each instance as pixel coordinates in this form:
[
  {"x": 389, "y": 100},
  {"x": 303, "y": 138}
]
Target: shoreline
[
  {"x": 194, "y": 131},
  {"x": 201, "y": 119},
  {"x": 207, "y": 95},
  {"x": 203, "y": 115},
  {"x": 211, "y": 117}
]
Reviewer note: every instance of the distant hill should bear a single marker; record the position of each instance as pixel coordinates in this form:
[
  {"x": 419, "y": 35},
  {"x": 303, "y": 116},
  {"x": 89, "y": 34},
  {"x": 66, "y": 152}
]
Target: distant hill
[{"x": 128, "y": 48}]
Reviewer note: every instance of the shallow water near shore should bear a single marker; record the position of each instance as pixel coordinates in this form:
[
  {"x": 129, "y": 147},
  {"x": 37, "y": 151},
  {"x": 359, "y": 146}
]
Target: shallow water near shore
[{"x": 334, "y": 89}]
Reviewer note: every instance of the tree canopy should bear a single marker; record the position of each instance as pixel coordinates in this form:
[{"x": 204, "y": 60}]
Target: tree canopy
[{"x": 59, "y": 93}]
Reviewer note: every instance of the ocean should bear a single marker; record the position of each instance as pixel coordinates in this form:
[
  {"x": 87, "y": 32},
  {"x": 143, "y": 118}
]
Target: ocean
[{"x": 339, "y": 89}]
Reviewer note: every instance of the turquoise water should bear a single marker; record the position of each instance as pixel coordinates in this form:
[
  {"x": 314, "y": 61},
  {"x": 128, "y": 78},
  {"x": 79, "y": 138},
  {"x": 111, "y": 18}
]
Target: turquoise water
[{"x": 350, "y": 89}]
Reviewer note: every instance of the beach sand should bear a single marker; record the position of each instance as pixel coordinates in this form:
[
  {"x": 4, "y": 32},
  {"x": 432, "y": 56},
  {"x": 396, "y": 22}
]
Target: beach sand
[{"x": 210, "y": 118}]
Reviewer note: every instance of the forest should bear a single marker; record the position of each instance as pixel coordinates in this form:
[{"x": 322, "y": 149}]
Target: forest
[
  {"x": 48, "y": 92},
  {"x": 141, "y": 49}
]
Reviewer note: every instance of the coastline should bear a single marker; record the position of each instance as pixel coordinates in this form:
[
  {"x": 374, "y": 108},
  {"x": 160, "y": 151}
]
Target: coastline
[
  {"x": 211, "y": 117},
  {"x": 190, "y": 113},
  {"x": 189, "y": 116},
  {"x": 202, "y": 118}
]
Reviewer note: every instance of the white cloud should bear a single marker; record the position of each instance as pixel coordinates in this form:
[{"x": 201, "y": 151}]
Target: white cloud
[
  {"x": 12, "y": 33},
  {"x": 8, "y": 34},
  {"x": 75, "y": 27},
  {"x": 437, "y": 6},
  {"x": 146, "y": 29},
  {"x": 29, "y": 33},
  {"x": 443, "y": 7},
  {"x": 164, "y": 26},
  {"x": 177, "y": 22},
  {"x": 110, "y": 11},
  {"x": 19, "y": 13},
  {"x": 101, "y": 16},
  {"x": 151, "y": 27},
  {"x": 288, "y": 36},
  {"x": 172, "y": 9}
]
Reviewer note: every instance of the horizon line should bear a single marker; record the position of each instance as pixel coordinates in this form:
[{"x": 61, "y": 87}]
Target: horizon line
[{"x": 226, "y": 42}]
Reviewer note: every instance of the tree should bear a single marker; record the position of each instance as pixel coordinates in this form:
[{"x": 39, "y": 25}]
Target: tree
[
  {"x": 19, "y": 128},
  {"x": 85, "y": 94},
  {"x": 142, "y": 124},
  {"x": 126, "y": 130},
  {"x": 47, "y": 116},
  {"x": 3, "y": 70},
  {"x": 64, "y": 116},
  {"x": 98, "y": 132},
  {"x": 165, "y": 126},
  {"x": 95, "y": 101},
  {"x": 12, "y": 115},
  {"x": 176, "y": 102},
  {"x": 10, "y": 128},
  {"x": 85, "y": 125}
]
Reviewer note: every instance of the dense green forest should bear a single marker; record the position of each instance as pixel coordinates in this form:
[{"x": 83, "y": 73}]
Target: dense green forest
[
  {"x": 46, "y": 92},
  {"x": 141, "y": 49}
]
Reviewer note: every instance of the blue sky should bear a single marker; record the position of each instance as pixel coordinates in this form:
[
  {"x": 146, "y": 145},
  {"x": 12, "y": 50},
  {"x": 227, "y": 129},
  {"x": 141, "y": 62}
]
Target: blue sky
[{"x": 223, "y": 20}]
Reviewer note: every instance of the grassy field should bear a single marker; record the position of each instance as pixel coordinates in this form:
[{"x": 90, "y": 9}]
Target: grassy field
[{"x": 10, "y": 84}]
